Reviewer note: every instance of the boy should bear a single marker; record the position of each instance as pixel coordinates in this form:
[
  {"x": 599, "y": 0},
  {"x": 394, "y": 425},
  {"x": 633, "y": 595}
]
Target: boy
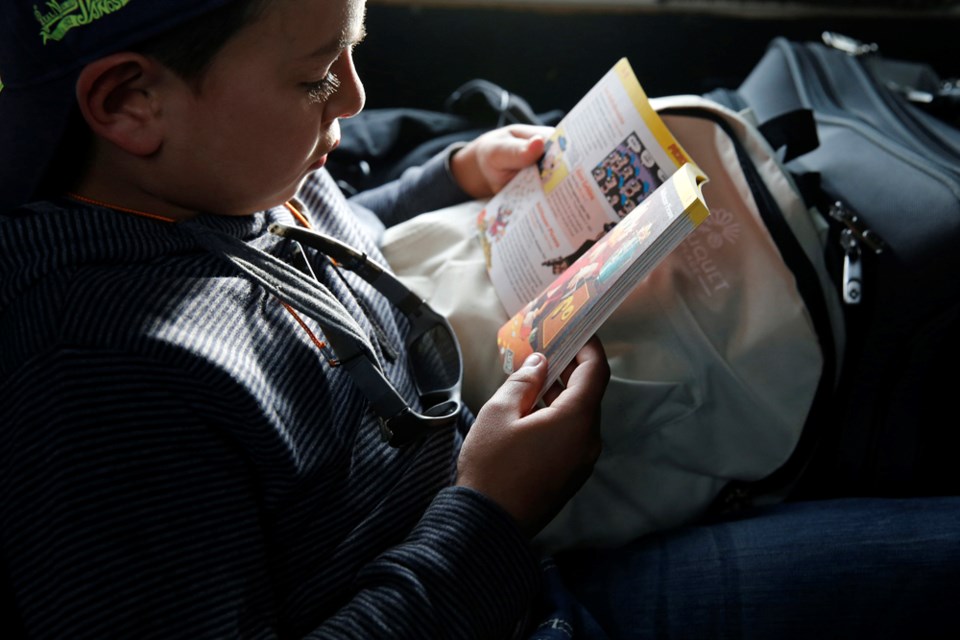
[
  {"x": 187, "y": 450},
  {"x": 185, "y": 454}
]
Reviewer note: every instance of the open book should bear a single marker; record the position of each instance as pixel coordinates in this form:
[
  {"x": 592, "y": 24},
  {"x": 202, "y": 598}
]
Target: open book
[{"x": 568, "y": 239}]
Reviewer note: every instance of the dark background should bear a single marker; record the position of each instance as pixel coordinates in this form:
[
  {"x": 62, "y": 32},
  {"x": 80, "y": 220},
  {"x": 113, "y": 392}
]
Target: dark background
[{"x": 415, "y": 56}]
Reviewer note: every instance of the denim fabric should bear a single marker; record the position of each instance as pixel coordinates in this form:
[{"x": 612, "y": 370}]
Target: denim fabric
[
  {"x": 852, "y": 568},
  {"x": 562, "y": 616}
]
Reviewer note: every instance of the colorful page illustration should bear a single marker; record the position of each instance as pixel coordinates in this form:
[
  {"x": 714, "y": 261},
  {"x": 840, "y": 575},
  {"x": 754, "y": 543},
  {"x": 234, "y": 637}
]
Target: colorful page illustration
[{"x": 560, "y": 319}]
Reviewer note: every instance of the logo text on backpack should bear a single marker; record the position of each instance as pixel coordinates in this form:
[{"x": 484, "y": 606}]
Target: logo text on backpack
[
  {"x": 699, "y": 249},
  {"x": 60, "y": 17}
]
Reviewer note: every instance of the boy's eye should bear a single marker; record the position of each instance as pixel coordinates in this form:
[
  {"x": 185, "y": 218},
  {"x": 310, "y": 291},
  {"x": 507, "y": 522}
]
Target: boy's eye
[{"x": 323, "y": 89}]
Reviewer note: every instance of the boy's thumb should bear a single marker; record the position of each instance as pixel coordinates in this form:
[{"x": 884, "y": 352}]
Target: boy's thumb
[
  {"x": 523, "y": 386},
  {"x": 534, "y": 148}
]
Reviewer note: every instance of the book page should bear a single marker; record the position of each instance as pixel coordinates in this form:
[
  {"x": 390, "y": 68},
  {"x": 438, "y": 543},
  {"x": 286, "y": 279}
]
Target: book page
[
  {"x": 559, "y": 320},
  {"x": 607, "y": 155}
]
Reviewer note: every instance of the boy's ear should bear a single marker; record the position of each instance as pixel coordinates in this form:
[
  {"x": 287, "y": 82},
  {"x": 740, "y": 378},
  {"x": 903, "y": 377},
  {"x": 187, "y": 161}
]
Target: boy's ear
[{"x": 120, "y": 99}]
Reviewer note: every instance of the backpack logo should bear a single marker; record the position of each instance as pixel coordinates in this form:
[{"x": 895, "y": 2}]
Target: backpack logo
[
  {"x": 60, "y": 17},
  {"x": 701, "y": 250},
  {"x": 721, "y": 228}
]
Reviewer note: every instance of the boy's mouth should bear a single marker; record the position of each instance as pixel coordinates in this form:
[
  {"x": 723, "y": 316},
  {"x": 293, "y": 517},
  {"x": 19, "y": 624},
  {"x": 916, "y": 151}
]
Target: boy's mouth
[{"x": 323, "y": 159}]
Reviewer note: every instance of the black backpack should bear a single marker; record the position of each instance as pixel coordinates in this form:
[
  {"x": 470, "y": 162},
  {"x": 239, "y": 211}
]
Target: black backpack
[{"x": 885, "y": 172}]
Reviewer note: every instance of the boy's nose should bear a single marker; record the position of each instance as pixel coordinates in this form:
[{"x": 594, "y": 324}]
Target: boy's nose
[{"x": 348, "y": 101}]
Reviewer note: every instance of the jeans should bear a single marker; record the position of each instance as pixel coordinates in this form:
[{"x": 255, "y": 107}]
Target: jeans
[{"x": 846, "y": 568}]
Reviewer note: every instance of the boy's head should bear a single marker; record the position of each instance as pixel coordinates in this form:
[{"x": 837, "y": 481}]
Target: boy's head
[{"x": 216, "y": 105}]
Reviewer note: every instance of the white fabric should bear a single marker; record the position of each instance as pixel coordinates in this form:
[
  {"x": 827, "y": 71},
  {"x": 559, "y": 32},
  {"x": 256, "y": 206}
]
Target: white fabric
[{"x": 714, "y": 357}]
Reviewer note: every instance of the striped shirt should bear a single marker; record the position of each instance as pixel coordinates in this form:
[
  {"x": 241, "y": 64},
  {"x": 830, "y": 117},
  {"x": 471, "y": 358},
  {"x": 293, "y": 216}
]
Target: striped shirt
[{"x": 180, "y": 459}]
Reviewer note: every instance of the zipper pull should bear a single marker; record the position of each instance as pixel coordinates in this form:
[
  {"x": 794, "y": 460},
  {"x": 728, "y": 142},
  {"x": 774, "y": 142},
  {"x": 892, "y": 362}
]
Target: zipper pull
[
  {"x": 848, "y": 45},
  {"x": 854, "y": 235},
  {"x": 849, "y": 218},
  {"x": 852, "y": 283}
]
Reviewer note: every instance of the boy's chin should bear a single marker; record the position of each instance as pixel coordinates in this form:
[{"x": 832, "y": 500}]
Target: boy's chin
[{"x": 276, "y": 200}]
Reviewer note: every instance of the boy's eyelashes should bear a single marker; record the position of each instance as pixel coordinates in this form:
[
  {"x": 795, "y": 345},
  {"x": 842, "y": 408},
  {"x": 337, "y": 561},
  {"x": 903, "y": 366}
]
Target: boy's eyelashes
[{"x": 323, "y": 89}]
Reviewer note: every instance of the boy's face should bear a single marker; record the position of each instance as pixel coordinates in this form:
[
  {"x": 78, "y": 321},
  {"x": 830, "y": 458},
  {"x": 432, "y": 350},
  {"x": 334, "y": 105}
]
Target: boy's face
[{"x": 265, "y": 113}]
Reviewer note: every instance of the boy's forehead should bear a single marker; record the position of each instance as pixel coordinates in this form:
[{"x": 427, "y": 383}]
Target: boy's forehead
[
  {"x": 316, "y": 27},
  {"x": 351, "y": 29}
]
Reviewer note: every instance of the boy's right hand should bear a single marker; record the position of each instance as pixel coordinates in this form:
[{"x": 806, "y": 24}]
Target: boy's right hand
[{"x": 531, "y": 461}]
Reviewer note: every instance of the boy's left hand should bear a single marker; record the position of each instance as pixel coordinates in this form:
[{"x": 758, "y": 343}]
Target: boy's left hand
[{"x": 490, "y": 161}]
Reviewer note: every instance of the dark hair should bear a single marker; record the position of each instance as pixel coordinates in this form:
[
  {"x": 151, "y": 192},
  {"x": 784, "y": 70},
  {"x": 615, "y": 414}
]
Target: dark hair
[{"x": 187, "y": 50}]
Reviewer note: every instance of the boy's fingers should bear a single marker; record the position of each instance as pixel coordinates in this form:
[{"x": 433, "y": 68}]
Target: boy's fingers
[
  {"x": 517, "y": 153},
  {"x": 524, "y": 142},
  {"x": 521, "y": 389},
  {"x": 534, "y": 148},
  {"x": 529, "y": 131},
  {"x": 588, "y": 374}
]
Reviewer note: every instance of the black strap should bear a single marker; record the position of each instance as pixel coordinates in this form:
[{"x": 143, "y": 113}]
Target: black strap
[{"x": 794, "y": 131}]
